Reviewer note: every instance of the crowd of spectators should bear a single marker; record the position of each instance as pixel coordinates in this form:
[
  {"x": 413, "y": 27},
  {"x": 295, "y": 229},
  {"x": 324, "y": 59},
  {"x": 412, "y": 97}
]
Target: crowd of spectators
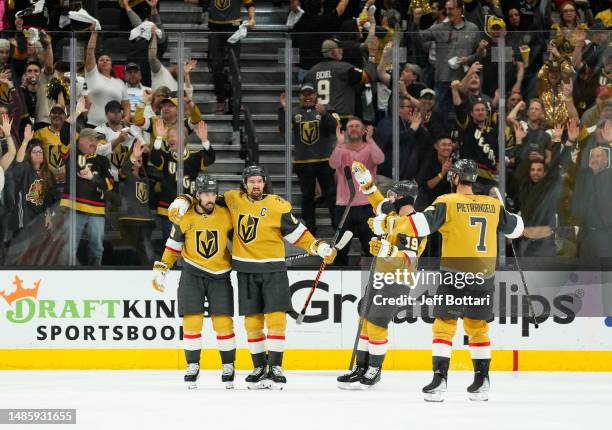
[{"x": 558, "y": 104}]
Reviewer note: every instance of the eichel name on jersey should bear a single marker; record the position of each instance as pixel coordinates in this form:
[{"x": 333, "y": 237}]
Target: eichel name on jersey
[
  {"x": 468, "y": 225},
  {"x": 335, "y": 83},
  {"x": 89, "y": 193},
  {"x": 166, "y": 162},
  {"x": 314, "y": 135},
  {"x": 259, "y": 229},
  {"x": 410, "y": 248},
  {"x": 202, "y": 241}
]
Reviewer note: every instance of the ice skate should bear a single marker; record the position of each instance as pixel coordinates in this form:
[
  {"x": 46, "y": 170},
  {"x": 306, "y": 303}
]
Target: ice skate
[
  {"x": 276, "y": 378},
  {"x": 192, "y": 375},
  {"x": 227, "y": 375},
  {"x": 479, "y": 390},
  {"x": 436, "y": 388},
  {"x": 257, "y": 379},
  {"x": 350, "y": 381},
  {"x": 370, "y": 378}
]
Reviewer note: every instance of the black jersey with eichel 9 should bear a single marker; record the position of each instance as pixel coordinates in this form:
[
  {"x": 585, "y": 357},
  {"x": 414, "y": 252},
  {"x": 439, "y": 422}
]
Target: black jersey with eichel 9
[
  {"x": 201, "y": 239},
  {"x": 469, "y": 225},
  {"x": 166, "y": 162},
  {"x": 336, "y": 82},
  {"x": 260, "y": 228}
]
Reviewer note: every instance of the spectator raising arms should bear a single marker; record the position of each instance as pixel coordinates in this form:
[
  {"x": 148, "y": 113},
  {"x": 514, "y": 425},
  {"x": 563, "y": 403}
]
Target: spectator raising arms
[
  {"x": 102, "y": 86},
  {"x": 354, "y": 145}
]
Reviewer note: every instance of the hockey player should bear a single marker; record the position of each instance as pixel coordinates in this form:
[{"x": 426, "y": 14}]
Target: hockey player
[
  {"x": 394, "y": 252},
  {"x": 261, "y": 222},
  {"x": 201, "y": 237},
  {"x": 469, "y": 225}
]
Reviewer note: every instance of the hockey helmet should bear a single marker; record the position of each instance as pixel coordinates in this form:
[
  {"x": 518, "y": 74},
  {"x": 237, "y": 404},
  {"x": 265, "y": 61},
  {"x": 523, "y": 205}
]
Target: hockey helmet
[
  {"x": 205, "y": 183},
  {"x": 464, "y": 168},
  {"x": 253, "y": 171},
  {"x": 407, "y": 188}
]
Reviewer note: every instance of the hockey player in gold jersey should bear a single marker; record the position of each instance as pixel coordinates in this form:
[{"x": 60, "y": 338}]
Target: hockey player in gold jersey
[
  {"x": 469, "y": 225},
  {"x": 201, "y": 237},
  {"x": 394, "y": 252},
  {"x": 262, "y": 222}
]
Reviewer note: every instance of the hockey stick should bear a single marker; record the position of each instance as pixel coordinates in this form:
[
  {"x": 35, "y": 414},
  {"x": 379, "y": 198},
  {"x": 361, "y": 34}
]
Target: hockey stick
[
  {"x": 351, "y": 186},
  {"x": 364, "y": 309},
  {"x": 344, "y": 240},
  {"x": 533, "y": 315}
]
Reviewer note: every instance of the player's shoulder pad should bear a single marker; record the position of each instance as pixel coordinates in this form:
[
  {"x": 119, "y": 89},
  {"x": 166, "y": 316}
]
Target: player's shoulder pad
[
  {"x": 445, "y": 198},
  {"x": 231, "y": 195},
  {"x": 282, "y": 204}
]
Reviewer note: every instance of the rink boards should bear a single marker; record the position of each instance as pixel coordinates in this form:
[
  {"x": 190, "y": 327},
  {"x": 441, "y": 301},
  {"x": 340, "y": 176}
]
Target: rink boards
[{"x": 115, "y": 320}]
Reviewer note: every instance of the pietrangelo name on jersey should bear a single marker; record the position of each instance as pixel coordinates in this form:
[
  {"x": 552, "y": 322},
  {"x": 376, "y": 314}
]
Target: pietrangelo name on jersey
[
  {"x": 475, "y": 207},
  {"x": 324, "y": 74}
]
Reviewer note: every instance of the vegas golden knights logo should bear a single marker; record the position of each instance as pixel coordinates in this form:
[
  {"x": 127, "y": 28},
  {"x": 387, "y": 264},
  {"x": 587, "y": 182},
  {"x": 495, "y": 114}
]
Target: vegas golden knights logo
[
  {"x": 118, "y": 156},
  {"x": 207, "y": 242},
  {"x": 81, "y": 162},
  {"x": 171, "y": 167},
  {"x": 309, "y": 132},
  {"x": 54, "y": 158},
  {"x": 247, "y": 227},
  {"x": 222, "y": 4},
  {"x": 142, "y": 192}
]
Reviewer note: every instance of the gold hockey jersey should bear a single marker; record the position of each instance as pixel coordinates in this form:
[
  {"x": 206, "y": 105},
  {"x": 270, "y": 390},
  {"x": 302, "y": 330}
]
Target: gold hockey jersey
[
  {"x": 410, "y": 248},
  {"x": 260, "y": 228},
  {"x": 469, "y": 225},
  {"x": 202, "y": 241}
]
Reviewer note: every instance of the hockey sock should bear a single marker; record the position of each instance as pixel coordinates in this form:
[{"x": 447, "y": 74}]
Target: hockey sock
[
  {"x": 377, "y": 344},
  {"x": 254, "y": 325},
  {"x": 442, "y": 343},
  {"x": 192, "y": 337},
  {"x": 363, "y": 354},
  {"x": 226, "y": 340},
  {"x": 479, "y": 341},
  {"x": 276, "y": 322}
]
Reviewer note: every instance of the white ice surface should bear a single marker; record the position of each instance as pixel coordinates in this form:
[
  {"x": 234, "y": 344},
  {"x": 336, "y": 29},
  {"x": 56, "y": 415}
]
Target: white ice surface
[{"x": 144, "y": 400}]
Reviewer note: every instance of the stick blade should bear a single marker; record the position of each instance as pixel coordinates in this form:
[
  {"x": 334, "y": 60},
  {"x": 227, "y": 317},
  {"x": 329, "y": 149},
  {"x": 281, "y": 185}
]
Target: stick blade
[
  {"x": 349, "y": 180},
  {"x": 300, "y": 318},
  {"x": 344, "y": 240}
]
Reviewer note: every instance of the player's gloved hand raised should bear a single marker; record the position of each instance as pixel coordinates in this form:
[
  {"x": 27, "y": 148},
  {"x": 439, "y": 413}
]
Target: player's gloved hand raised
[
  {"x": 363, "y": 177},
  {"x": 159, "y": 275},
  {"x": 326, "y": 252},
  {"x": 382, "y": 248},
  {"x": 382, "y": 224},
  {"x": 177, "y": 209}
]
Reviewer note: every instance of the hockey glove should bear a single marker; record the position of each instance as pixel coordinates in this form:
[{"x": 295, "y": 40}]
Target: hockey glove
[
  {"x": 364, "y": 178},
  {"x": 325, "y": 251},
  {"x": 177, "y": 209},
  {"x": 382, "y": 248},
  {"x": 159, "y": 275},
  {"x": 382, "y": 224}
]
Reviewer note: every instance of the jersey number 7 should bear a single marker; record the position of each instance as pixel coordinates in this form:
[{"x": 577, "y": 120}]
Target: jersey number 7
[{"x": 478, "y": 221}]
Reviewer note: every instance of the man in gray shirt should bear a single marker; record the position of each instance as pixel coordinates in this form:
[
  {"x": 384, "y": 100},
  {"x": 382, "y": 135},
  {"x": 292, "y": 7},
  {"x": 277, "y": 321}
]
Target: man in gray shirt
[{"x": 458, "y": 44}]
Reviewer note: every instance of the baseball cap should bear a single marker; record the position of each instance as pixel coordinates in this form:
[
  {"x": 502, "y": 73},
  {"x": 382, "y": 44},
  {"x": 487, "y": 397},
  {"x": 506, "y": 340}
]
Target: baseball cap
[
  {"x": 306, "y": 86},
  {"x": 330, "y": 44},
  {"x": 427, "y": 91},
  {"x": 172, "y": 100},
  {"x": 132, "y": 65}
]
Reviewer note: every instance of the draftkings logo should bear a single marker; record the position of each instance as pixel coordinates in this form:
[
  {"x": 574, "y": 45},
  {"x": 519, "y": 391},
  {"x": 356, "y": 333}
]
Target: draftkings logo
[{"x": 19, "y": 296}]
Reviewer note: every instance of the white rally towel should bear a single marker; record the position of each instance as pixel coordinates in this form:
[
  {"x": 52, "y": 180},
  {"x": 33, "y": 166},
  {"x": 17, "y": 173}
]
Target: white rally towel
[
  {"x": 37, "y": 7},
  {"x": 239, "y": 34},
  {"x": 144, "y": 31},
  {"x": 294, "y": 17},
  {"x": 82, "y": 16}
]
